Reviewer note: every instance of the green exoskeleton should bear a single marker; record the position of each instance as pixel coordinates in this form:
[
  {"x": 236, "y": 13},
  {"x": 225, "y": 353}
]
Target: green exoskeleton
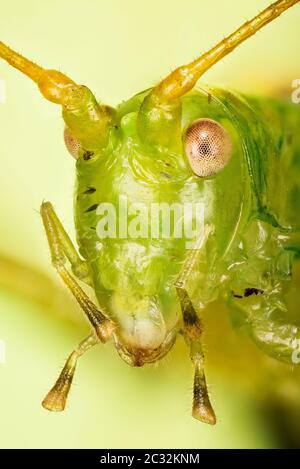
[{"x": 237, "y": 156}]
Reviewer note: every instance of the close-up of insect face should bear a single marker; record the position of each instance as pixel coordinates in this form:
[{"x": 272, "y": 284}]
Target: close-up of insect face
[{"x": 183, "y": 195}]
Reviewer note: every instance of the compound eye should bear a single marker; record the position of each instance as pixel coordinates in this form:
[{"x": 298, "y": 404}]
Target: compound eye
[
  {"x": 73, "y": 145},
  {"x": 208, "y": 147}
]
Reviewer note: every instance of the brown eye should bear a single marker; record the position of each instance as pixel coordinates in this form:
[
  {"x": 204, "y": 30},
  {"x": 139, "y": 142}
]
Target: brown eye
[
  {"x": 73, "y": 145},
  {"x": 207, "y": 146}
]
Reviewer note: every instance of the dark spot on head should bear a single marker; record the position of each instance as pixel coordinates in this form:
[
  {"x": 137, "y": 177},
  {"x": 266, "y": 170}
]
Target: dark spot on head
[
  {"x": 209, "y": 98},
  {"x": 91, "y": 208},
  {"x": 165, "y": 175},
  {"x": 248, "y": 292},
  {"x": 87, "y": 155},
  {"x": 92, "y": 228},
  {"x": 89, "y": 190},
  {"x": 252, "y": 291},
  {"x": 237, "y": 296}
]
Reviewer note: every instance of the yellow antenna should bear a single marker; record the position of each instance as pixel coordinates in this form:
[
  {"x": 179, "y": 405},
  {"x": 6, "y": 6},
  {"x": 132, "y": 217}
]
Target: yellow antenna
[
  {"x": 87, "y": 120},
  {"x": 184, "y": 78},
  {"x": 52, "y": 83},
  {"x": 25, "y": 66}
]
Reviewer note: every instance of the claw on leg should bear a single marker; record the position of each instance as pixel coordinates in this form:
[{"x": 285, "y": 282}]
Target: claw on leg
[
  {"x": 192, "y": 331},
  {"x": 202, "y": 408},
  {"x": 56, "y": 398}
]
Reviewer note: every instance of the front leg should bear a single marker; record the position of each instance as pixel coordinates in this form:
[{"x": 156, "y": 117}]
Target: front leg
[
  {"x": 57, "y": 396},
  {"x": 192, "y": 331},
  {"x": 62, "y": 250}
]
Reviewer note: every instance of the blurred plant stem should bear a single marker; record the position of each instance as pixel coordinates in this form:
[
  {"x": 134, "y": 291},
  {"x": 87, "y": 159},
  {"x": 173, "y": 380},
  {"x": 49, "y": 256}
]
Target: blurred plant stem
[{"x": 37, "y": 287}]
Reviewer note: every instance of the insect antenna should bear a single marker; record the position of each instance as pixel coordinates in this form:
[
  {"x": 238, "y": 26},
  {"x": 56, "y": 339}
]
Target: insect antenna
[
  {"x": 184, "y": 78},
  {"x": 87, "y": 121}
]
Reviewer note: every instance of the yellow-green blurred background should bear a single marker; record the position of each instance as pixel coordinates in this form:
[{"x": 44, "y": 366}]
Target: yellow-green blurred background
[{"x": 118, "y": 48}]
